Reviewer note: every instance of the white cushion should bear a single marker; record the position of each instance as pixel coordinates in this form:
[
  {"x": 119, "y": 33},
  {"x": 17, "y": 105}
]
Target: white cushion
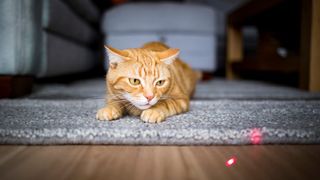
[
  {"x": 124, "y": 41},
  {"x": 159, "y": 17},
  {"x": 199, "y": 51},
  {"x": 186, "y": 26}
]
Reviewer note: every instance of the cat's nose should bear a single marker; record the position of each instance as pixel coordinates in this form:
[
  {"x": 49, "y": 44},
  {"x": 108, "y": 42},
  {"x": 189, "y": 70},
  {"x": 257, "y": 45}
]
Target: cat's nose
[{"x": 149, "y": 97}]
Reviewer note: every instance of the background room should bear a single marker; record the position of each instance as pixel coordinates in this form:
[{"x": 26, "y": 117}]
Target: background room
[{"x": 257, "y": 103}]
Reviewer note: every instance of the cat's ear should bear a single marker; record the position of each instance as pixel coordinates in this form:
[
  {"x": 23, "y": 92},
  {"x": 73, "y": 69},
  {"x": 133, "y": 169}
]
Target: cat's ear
[
  {"x": 169, "y": 55},
  {"x": 116, "y": 55}
]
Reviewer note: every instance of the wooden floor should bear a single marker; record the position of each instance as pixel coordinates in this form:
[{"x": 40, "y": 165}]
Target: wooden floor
[{"x": 159, "y": 162}]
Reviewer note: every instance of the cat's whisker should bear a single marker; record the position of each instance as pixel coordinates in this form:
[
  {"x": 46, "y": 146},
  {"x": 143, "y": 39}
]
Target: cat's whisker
[
  {"x": 115, "y": 97},
  {"x": 117, "y": 102},
  {"x": 122, "y": 107},
  {"x": 171, "y": 97},
  {"x": 130, "y": 107}
]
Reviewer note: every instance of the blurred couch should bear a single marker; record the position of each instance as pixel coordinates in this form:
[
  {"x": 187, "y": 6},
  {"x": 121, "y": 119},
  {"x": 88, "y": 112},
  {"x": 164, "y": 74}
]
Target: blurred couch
[
  {"x": 45, "y": 38},
  {"x": 190, "y": 27}
]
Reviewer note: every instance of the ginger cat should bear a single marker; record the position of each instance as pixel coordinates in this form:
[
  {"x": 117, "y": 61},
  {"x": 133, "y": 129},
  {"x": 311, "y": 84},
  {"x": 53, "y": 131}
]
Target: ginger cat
[{"x": 150, "y": 82}]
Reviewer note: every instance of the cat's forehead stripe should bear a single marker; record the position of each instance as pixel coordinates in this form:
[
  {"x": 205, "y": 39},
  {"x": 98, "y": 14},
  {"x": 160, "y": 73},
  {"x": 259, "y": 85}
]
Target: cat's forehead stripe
[
  {"x": 147, "y": 63},
  {"x": 143, "y": 72},
  {"x": 144, "y": 56}
]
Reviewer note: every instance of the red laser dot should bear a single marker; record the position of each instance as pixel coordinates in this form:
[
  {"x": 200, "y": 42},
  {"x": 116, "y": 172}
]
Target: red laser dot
[
  {"x": 231, "y": 161},
  {"x": 256, "y": 136}
]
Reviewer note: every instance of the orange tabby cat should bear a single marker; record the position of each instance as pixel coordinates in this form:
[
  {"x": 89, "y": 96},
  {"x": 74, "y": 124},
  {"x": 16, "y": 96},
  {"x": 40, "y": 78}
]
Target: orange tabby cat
[{"x": 150, "y": 82}]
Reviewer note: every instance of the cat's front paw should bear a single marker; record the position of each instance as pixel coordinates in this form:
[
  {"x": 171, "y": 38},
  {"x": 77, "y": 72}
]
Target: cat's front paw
[
  {"x": 108, "y": 113},
  {"x": 152, "y": 116}
]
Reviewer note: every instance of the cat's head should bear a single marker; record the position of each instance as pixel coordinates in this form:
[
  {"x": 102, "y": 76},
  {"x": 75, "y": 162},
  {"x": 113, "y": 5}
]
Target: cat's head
[{"x": 140, "y": 76}]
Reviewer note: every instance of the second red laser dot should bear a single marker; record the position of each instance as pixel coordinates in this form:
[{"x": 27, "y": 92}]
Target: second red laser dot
[{"x": 231, "y": 161}]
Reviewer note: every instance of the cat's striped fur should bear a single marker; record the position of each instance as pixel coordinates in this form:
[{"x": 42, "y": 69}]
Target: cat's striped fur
[{"x": 150, "y": 82}]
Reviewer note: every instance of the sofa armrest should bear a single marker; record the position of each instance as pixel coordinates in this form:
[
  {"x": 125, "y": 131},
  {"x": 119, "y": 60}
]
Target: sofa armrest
[{"x": 20, "y": 24}]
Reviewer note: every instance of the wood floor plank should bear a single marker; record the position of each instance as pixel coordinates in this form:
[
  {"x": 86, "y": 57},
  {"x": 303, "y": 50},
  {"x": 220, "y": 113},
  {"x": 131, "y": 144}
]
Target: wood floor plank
[
  {"x": 9, "y": 152},
  {"x": 159, "y": 162}
]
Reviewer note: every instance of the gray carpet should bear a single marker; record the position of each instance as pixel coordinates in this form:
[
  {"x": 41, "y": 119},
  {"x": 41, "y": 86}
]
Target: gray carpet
[
  {"x": 217, "y": 89},
  {"x": 223, "y": 112}
]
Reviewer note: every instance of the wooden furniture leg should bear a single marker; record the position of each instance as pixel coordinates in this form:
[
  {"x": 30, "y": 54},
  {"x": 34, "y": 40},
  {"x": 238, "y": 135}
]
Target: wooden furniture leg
[
  {"x": 234, "y": 48},
  {"x": 310, "y": 46},
  {"x": 15, "y": 86}
]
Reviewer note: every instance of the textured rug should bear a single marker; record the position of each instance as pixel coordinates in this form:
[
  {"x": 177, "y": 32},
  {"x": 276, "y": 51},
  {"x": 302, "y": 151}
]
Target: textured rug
[
  {"x": 216, "y": 89},
  {"x": 223, "y": 112}
]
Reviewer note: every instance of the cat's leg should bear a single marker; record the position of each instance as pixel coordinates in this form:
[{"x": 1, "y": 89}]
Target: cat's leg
[
  {"x": 113, "y": 110},
  {"x": 164, "y": 109}
]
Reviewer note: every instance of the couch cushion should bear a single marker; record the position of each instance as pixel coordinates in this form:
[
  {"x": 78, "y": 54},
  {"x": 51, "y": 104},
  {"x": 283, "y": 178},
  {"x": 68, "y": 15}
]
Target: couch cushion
[
  {"x": 60, "y": 56},
  {"x": 124, "y": 41},
  {"x": 85, "y": 9},
  {"x": 199, "y": 51},
  {"x": 159, "y": 17},
  {"x": 60, "y": 19}
]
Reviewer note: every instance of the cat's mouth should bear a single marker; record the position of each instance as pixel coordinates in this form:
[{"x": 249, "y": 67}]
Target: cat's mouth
[
  {"x": 147, "y": 105},
  {"x": 141, "y": 104},
  {"x": 143, "y": 107}
]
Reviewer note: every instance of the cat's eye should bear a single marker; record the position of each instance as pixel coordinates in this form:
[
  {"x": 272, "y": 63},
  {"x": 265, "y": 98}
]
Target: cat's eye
[
  {"x": 160, "y": 83},
  {"x": 134, "y": 81}
]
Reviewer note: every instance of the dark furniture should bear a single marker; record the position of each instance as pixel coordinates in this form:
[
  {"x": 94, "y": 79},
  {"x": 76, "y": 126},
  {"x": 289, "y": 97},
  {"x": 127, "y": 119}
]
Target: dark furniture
[{"x": 289, "y": 40}]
